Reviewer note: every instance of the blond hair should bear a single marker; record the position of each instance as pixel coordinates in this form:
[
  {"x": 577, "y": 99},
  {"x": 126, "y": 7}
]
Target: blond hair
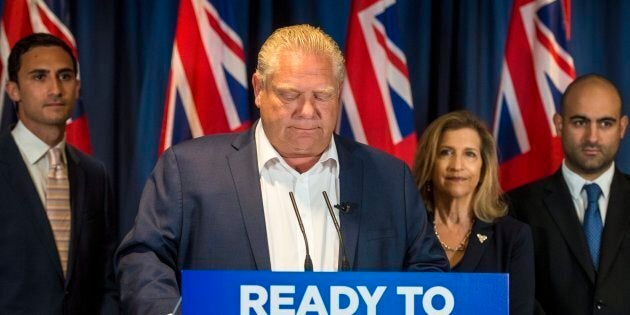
[
  {"x": 299, "y": 38},
  {"x": 487, "y": 204}
]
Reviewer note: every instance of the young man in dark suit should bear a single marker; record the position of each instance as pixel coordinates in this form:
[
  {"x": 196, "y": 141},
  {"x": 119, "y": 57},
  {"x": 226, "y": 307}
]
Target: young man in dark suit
[
  {"x": 57, "y": 227},
  {"x": 580, "y": 216}
]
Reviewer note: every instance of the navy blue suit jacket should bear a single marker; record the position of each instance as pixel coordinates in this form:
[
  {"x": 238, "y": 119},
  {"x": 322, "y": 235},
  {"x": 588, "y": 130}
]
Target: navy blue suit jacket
[
  {"x": 504, "y": 246},
  {"x": 202, "y": 209},
  {"x": 31, "y": 278},
  {"x": 566, "y": 280}
]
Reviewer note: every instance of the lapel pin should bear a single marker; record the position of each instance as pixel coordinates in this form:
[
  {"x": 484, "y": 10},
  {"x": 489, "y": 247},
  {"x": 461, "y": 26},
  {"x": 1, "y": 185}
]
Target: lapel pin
[{"x": 482, "y": 238}]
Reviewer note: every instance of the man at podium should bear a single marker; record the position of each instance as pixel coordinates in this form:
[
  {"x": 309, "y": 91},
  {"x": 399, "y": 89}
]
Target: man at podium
[{"x": 286, "y": 195}]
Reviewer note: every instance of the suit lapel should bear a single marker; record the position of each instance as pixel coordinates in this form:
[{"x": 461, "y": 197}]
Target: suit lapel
[
  {"x": 76, "y": 177},
  {"x": 351, "y": 182},
  {"x": 244, "y": 169},
  {"x": 560, "y": 207},
  {"x": 15, "y": 172},
  {"x": 617, "y": 222},
  {"x": 480, "y": 236}
]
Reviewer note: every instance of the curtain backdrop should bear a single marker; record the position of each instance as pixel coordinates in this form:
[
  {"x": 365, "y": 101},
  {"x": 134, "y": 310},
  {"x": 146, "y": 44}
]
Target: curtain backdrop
[{"x": 454, "y": 50}]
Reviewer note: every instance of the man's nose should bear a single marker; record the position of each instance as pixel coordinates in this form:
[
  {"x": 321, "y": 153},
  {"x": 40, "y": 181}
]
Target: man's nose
[
  {"x": 592, "y": 133},
  {"x": 307, "y": 109},
  {"x": 55, "y": 86}
]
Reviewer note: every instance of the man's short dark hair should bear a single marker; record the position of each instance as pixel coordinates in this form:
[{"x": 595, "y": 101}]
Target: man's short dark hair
[{"x": 29, "y": 42}]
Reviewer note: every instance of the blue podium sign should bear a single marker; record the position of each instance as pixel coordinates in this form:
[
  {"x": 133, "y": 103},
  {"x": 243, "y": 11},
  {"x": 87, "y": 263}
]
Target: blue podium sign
[{"x": 302, "y": 293}]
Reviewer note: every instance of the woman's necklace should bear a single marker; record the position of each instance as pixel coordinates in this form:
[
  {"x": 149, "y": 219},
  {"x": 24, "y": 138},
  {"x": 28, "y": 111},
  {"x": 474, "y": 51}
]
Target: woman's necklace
[{"x": 462, "y": 244}]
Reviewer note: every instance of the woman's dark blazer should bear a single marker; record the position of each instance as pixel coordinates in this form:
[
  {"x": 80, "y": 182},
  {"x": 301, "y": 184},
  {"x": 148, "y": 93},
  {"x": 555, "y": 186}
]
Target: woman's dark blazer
[{"x": 504, "y": 246}]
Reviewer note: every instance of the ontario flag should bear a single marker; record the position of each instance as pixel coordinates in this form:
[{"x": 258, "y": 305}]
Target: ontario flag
[
  {"x": 207, "y": 86},
  {"x": 377, "y": 105},
  {"x": 19, "y": 19},
  {"x": 537, "y": 68}
]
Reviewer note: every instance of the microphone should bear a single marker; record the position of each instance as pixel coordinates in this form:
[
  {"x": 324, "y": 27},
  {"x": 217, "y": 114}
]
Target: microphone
[
  {"x": 344, "y": 258},
  {"x": 344, "y": 207},
  {"x": 177, "y": 307},
  {"x": 308, "y": 263}
]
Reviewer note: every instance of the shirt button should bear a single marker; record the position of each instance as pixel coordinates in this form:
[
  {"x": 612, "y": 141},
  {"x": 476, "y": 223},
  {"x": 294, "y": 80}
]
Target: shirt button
[{"x": 599, "y": 304}]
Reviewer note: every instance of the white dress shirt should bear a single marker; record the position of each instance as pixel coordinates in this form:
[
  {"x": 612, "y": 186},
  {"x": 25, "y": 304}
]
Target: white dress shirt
[
  {"x": 578, "y": 194},
  {"x": 286, "y": 244},
  {"x": 33, "y": 151}
]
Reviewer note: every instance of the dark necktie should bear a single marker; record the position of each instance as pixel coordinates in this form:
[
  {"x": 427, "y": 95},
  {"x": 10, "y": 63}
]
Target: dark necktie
[{"x": 593, "y": 222}]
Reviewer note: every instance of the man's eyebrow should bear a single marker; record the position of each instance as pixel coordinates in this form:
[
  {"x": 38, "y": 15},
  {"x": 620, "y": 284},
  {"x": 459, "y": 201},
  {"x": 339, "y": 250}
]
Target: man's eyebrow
[
  {"x": 578, "y": 117},
  {"x": 285, "y": 88},
  {"x": 38, "y": 71},
  {"x": 326, "y": 90},
  {"x": 607, "y": 118}
]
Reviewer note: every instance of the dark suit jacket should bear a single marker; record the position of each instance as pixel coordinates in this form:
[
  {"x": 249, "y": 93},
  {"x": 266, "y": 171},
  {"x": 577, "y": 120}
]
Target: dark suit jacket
[
  {"x": 507, "y": 247},
  {"x": 31, "y": 279},
  {"x": 202, "y": 209},
  {"x": 566, "y": 281}
]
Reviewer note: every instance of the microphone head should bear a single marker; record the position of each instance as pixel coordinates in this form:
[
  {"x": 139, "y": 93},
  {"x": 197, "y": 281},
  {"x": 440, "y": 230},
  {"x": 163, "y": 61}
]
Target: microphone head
[
  {"x": 308, "y": 263},
  {"x": 343, "y": 207}
]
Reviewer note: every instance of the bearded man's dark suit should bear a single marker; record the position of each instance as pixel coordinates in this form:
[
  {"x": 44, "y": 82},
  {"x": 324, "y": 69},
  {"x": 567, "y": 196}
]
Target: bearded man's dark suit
[{"x": 566, "y": 280}]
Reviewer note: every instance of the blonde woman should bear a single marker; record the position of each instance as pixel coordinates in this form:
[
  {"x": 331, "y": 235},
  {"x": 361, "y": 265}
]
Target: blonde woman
[{"x": 456, "y": 172}]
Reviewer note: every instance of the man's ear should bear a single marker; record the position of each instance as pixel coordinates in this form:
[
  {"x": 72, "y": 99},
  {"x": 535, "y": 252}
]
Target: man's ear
[
  {"x": 557, "y": 121},
  {"x": 13, "y": 91},
  {"x": 78, "y": 89},
  {"x": 340, "y": 89},
  {"x": 258, "y": 87},
  {"x": 624, "y": 125}
]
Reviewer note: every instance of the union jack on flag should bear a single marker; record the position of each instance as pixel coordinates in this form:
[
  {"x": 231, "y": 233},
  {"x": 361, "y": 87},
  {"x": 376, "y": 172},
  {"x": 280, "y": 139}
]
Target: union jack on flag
[
  {"x": 21, "y": 18},
  {"x": 377, "y": 104},
  {"x": 537, "y": 68},
  {"x": 207, "y": 89}
]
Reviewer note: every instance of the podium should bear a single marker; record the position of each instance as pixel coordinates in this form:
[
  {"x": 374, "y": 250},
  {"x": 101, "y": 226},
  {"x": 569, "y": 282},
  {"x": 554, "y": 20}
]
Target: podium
[{"x": 308, "y": 293}]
